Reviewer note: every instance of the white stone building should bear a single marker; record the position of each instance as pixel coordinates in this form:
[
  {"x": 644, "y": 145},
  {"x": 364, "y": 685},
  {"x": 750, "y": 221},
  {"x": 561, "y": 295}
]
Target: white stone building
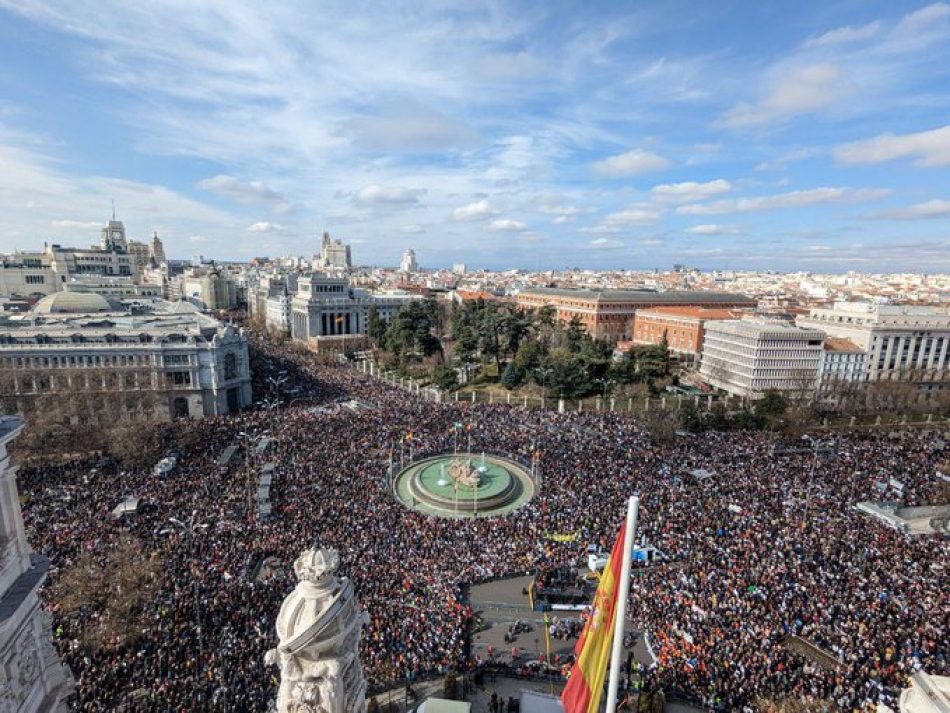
[
  {"x": 842, "y": 362},
  {"x": 334, "y": 255},
  {"x": 32, "y": 678},
  {"x": 747, "y": 357},
  {"x": 37, "y": 273},
  {"x": 900, "y": 341},
  {"x": 192, "y": 364},
  {"x": 328, "y": 307},
  {"x": 277, "y": 315}
]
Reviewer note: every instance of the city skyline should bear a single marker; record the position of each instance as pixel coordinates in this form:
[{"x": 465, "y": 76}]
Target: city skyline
[{"x": 519, "y": 135}]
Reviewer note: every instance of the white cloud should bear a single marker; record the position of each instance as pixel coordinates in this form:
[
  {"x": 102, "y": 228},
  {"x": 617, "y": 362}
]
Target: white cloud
[
  {"x": 562, "y": 219},
  {"x": 924, "y": 18},
  {"x": 931, "y": 148},
  {"x": 605, "y": 244},
  {"x": 248, "y": 193},
  {"x": 388, "y": 195},
  {"x": 510, "y": 65},
  {"x": 710, "y": 229},
  {"x": 504, "y": 225},
  {"x": 793, "y": 199},
  {"x": 638, "y": 215},
  {"x": 473, "y": 211},
  {"x": 794, "y": 91},
  {"x": 558, "y": 209},
  {"x": 843, "y": 35},
  {"x": 76, "y": 224},
  {"x": 411, "y": 127},
  {"x": 689, "y": 191},
  {"x": 412, "y": 229},
  {"x": 920, "y": 211},
  {"x": 263, "y": 226},
  {"x": 630, "y": 163}
]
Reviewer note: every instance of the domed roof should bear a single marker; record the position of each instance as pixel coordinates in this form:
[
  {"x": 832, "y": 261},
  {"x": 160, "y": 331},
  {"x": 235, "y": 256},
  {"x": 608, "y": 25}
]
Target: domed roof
[{"x": 72, "y": 303}]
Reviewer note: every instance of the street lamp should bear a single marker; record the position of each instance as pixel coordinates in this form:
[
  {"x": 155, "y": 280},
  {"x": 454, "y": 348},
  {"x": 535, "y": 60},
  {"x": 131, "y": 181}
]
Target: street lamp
[{"x": 543, "y": 372}]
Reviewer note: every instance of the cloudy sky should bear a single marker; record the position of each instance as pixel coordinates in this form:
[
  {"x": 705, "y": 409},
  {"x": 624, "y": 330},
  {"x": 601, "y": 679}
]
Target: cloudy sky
[{"x": 743, "y": 134}]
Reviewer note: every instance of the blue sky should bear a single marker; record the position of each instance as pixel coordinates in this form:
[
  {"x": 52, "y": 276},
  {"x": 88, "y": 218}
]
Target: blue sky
[{"x": 748, "y": 135}]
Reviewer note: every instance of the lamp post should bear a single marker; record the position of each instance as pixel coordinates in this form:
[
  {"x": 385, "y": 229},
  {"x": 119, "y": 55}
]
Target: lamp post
[{"x": 543, "y": 373}]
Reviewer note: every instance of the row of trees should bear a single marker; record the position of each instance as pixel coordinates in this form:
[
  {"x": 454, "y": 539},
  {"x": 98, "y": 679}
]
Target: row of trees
[
  {"x": 499, "y": 342},
  {"x": 561, "y": 359}
]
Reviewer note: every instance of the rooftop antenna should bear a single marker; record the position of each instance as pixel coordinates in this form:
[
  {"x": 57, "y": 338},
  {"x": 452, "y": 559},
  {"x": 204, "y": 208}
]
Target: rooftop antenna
[{"x": 113, "y": 210}]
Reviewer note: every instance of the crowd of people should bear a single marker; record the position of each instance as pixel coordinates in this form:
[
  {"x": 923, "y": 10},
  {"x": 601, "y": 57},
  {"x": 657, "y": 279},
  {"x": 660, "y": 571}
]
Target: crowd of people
[{"x": 766, "y": 549}]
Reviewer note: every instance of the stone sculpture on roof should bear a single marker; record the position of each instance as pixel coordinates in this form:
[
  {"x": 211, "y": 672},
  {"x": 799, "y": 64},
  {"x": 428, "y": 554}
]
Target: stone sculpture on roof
[{"x": 318, "y": 631}]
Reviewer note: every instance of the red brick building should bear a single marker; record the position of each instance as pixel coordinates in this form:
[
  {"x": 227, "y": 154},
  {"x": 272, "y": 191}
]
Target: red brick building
[
  {"x": 609, "y": 314},
  {"x": 683, "y": 326}
]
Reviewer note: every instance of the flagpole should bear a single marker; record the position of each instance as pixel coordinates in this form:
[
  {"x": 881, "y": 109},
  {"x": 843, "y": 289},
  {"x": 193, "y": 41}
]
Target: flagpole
[{"x": 633, "y": 509}]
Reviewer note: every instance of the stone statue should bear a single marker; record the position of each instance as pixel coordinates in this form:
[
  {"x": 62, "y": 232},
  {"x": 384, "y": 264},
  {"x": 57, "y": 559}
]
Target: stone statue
[
  {"x": 318, "y": 631},
  {"x": 463, "y": 473}
]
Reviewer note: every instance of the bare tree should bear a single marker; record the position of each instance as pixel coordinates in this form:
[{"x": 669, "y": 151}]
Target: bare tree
[{"x": 109, "y": 589}]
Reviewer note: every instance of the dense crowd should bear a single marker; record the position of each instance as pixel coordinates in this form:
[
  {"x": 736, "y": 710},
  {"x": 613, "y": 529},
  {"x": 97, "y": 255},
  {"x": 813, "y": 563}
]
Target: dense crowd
[{"x": 766, "y": 548}]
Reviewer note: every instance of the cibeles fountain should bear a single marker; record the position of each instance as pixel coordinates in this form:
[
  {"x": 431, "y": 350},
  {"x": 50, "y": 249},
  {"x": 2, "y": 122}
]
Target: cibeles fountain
[
  {"x": 459, "y": 485},
  {"x": 318, "y": 631}
]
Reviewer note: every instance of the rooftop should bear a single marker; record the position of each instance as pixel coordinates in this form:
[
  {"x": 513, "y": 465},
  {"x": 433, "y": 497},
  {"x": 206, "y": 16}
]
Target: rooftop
[
  {"x": 837, "y": 344},
  {"x": 643, "y": 296},
  {"x": 692, "y": 311}
]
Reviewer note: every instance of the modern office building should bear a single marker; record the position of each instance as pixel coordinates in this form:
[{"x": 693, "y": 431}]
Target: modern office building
[
  {"x": 408, "y": 263},
  {"x": 747, "y": 357},
  {"x": 609, "y": 314}
]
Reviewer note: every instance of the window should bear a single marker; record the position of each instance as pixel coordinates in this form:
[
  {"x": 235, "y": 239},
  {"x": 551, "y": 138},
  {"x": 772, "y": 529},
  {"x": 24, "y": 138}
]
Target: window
[
  {"x": 35, "y": 279},
  {"x": 180, "y": 378},
  {"x": 176, "y": 359},
  {"x": 230, "y": 366}
]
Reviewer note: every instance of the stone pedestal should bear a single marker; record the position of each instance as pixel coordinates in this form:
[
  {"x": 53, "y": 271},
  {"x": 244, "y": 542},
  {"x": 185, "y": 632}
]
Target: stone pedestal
[
  {"x": 318, "y": 631},
  {"x": 31, "y": 675}
]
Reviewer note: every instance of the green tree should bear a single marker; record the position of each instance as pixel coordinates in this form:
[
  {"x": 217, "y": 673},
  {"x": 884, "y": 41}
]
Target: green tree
[
  {"x": 444, "y": 377},
  {"x": 511, "y": 376},
  {"x": 375, "y": 327},
  {"x": 771, "y": 406}
]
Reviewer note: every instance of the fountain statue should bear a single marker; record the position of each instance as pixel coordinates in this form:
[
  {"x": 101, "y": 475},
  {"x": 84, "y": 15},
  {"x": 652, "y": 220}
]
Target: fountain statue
[
  {"x": 463, "y": 473},
  {"x": 318, "y": 631}
]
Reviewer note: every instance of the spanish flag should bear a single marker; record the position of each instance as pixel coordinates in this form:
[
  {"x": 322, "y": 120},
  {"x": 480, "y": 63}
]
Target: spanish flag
[{"x": 586, "y": 684}]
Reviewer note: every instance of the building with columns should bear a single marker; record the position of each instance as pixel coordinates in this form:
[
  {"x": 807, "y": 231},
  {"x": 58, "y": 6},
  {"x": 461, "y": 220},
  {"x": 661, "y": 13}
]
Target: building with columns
[
  {"x": 146, "y": 353},
  {"x": 900, "y": 342},
  {"x": 32, "y": 678},
  {"x": 328, "y": 307}
]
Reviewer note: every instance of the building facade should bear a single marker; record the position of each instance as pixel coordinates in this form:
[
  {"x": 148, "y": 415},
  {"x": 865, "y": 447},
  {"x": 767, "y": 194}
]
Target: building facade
[
  {"x": 408, "y": 263},
  {"x": 34, "y": 274},
  {"x": 609, "y": 314},
  {"x": 278, "y": 309},
  {"x": 900, "y": 342},
  {"x": 842, "y": 362},
  {"x": 32, "y": 678},
  {"x": 681, "y": 327},
  {"x": 328, "y": 307},
  {"x": 334, "y": 255},
  {"x": 746, "y": 357},
  {"x": 177, "y": 361}
]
